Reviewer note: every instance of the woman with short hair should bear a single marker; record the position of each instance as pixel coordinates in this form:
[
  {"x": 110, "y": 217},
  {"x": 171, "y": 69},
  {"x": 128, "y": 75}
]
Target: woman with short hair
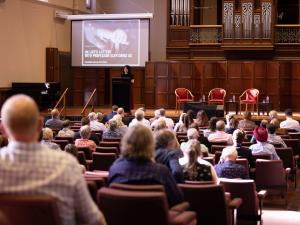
[{"x": 85, "y": 133}]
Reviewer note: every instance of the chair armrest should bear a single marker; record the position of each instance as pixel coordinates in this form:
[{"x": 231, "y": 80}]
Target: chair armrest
[
  {"x": 262, "y": 194},
  {"x": 287, "y": 171},
  {"x": 296, "y": 157},
  {"x": 184, "y": 218},
  {"x": 227, "y": 197},
  {"x": 181, "y": 207},
  {"x": 235, "y": 203}
]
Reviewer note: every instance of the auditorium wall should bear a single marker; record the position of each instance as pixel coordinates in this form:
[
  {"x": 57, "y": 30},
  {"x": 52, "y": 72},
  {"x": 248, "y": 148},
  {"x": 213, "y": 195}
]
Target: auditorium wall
[{"x": 27, "y": 28}]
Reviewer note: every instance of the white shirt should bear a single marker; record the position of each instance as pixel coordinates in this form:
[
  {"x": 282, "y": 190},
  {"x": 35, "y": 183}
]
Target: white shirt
[
  {"x": 184, "y": 146},
  {"x": 169, "y": 122},
  {"x": 220, "y": 136},
  {"x": 290, "y": 123},
  {"x": 144, "y": 122},
  {"x": 264, "y": 148},
  {"x": 35, "y": 169},
  {"x": 66, "y": 132},
  {"x": 95, "y": 125}
]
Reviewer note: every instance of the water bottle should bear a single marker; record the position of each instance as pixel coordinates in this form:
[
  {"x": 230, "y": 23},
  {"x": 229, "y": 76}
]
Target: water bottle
[
  {"x": 267, "y": 99},
  {"x": 233, "y": 98},
  {"x": 203, "y": 98}
]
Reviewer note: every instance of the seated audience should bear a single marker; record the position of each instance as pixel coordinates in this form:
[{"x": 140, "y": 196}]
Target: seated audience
[
  {"x": 272, "y": 137},
  {"x": 279, "y": 130},
  {"x": 94, "y": 123},
  {"x": 187, "y": 121},
  {"x": 85, "y": 134},
  {"x": 212, "y": 127},
  {"x": 238, "y": 137},
  {"x": 263, "y": 124},
  {"x": 160, "y": 125},
  {"x": 111, "y": 114},
  {"x": 169, "y": 121},
  {"x": 120, "y": 125},
  {"x": 262, "y": 147},
  {"x": 194, "y": 170},
  {"x": 167, "y": 153},
  {"x": 220, "y": 135},
  {"x": 54, "y": 123},
  {"x": 112, "y": 131},
  {"x": 139, "y": 119},
  {"x": 233, "y": 125},
  {"x": 228, "y": 117},
  {"x": 273, "y": 115},
  {"x": 290, "y": 123},
  {"x": 202, "y": 119},
  {"x": 93, "y": 137},
  {"x": 193, "y": 134},
  {"x": 71, "y": 149},
  {"x": 246, "y": 123},
  {"x": 100, "y": 117},
  {"x": 228, "y": 168},
  {"x": 42, "y": 171},
  {"x": 136, "y": 165},
  {"x": 47, "y": 139},
  {"x": 66, "y": 131},
  {"x": 156, "y": 116},
  {"x": 179, "y": 124}
]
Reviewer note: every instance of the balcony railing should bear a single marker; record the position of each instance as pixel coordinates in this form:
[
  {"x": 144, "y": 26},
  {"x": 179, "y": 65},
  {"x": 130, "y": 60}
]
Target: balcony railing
[
  {"x": 205, "y": 34},
  {"x": 287, "y": 34}
]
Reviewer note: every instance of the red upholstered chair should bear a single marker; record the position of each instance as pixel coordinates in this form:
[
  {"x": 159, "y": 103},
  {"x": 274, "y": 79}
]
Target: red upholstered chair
[
  {"x": 140, "y": 207},
  {"x": 183, "y": 95},
  {"x": 249, "y": 97},
  {"x": 216, "y": 96},
  {"x": 251, "y": 209},
  {"x": 103, "y": 161},
  {"x": 30, "y": 210}
]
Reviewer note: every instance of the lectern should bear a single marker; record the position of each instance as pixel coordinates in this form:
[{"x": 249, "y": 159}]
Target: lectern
[{"x": 121, "y": 92}]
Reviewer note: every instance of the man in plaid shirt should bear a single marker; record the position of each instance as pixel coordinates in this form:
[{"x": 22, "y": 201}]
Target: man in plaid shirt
[{"x": 30, "y": 168}]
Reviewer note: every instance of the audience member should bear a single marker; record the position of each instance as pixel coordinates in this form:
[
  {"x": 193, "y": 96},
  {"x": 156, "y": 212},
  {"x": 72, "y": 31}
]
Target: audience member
[
  {"x": 228, "y": 168},
  {"x": 47, "y": 139},
  {"x": 160, "y": 125},
  {"x": 228, "y": 117},
  {"x": 290, "y": 123},
  {"x": 194, "y": 170},
  {"x": 136, "y": 165},
  {"x": 212, "y": 127},
  {"x": 193, "y": 134},
  {"x": 111, "y": 114},
  {"x": 220, "y": 135},
  {"x": 273, "y": 115},
  {"x": 71, "y": 149},
  {"x": 156, "y": 116},
  {"x": 262, "y": 147},
  {"x": 179, "y": 125},
  {"x": 246, "y": 123},
  {"x": 112, "y": 131},
  {"x": 120, "y": 125},
  {"x": 168, "y": 154},
  {"x": 139, "y": 119},
  {"x": 66, "y": 131},
  {"x": 233, "y": 125},
  {"x": 95, "y": 125},
  {"x": 93, "y": 137},
  {"x": 169, "y": 121},
  {"x": 263, "y": 124},
  {"x": 54, "y": 123},
  {"x": 202, "y": 119},
  {"x": 238, "y": 137},
  {"x": 85, "y": 134},
  {"x": 42, "y": 171},
  {"x": 3, "y": 141},
  {"x": 273, "y": 138}
]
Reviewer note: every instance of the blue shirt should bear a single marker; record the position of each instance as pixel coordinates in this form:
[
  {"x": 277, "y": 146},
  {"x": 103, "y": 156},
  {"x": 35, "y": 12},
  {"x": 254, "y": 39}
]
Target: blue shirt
[
  {"x": 134, "y": 171},
  {"x": 230, "y": 169}
]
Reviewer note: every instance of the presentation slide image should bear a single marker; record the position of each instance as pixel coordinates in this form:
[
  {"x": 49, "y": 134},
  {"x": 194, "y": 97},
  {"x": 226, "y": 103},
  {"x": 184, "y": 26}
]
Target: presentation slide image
[{"x": 110, "y": 42}]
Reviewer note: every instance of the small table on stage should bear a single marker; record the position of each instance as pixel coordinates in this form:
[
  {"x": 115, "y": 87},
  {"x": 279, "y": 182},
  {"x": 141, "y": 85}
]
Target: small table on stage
[
  {"x": 228, "y": 105},
  {"x": 264, "y": 107}
]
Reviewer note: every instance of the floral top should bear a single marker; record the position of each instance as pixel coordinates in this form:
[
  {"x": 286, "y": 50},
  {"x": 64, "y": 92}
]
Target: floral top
[
  {"x": 201, "y": 173},
  {"x": 86, "y": 143}
]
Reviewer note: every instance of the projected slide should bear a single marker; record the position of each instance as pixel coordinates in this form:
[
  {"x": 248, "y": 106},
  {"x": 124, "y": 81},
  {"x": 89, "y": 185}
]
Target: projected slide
[{"x": 110, "y": 42}]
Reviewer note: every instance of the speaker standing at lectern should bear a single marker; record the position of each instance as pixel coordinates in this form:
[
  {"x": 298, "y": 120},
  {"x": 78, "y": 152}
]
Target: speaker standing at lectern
[{"x": 127, "y": 73}]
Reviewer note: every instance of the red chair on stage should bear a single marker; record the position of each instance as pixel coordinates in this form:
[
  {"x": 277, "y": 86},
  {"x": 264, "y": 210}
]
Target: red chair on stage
[
  {"x": 183, "y": 95},
  {"x": 216, "y": 96},
  {"x": 249, "y": 97}
]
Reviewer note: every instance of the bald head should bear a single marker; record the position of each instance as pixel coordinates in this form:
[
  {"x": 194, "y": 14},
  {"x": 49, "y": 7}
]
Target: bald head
[
  {"x": 20, "y": 118},
  {"x": 55, "y": 113}
]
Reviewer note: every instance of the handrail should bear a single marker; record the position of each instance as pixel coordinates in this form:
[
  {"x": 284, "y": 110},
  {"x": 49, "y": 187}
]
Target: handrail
[
  {"x": 62, "y": 98},
  {"x": 88, "y": 102},
  {"x": 287, "y": 25}
]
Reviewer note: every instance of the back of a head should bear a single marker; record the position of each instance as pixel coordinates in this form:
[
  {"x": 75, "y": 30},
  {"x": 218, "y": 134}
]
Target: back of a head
[
  {"x": 47, "y": 133},
  {"x": 120, "y": 111},
  {"x": 212, "y": 123},
  {"x": 163, "y": 138},
  {"x": 114, "y": 108},
  {"x": 85, "y": 132},
  {"x": 55, "y": 113},
  {"x": 194, "y": 151},
  {"x": 139, "y": 115},
  {"x": 99, "y": 116},
  {"x": 71, "y": 148},
  {"x": 92, "y": 116},
  {"x": 66, "y": 123},
  {"x": 273, "y": 114},
  {"x": 20, "y": 117},
  {"x": 85, "y": 121},
  {"x": 161, "y": 124},
  {"x": 229, "y": 153},
  {"x": 220, "y": 125},
  {"x": 271, "y": 128},
  {"x": 247, "y": 115},
  {"x": 233, "y": 123},
  {"x": 192, "y": 133},
  {"x": 162, "y": 112},
  {"x": 264, "y": 123},
  {"x": 138, "y": 143},
  {"x": 276, "y": 123},
  {"x": 112, "y": 124},
  {"x": 238, "y": 136},
  {"x": 157, "y": 113},
  {"x": 288, "y": 112}
]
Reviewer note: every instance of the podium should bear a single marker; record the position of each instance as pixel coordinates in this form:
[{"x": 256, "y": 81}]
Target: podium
[{"x": 121, "y": 92}]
